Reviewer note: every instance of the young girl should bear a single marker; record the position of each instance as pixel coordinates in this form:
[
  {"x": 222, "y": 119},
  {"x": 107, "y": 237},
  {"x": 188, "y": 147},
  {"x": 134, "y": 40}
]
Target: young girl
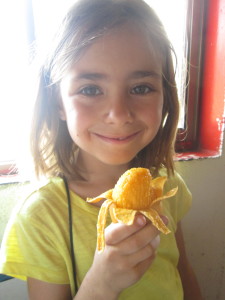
[{"x": 106, "y": 102}]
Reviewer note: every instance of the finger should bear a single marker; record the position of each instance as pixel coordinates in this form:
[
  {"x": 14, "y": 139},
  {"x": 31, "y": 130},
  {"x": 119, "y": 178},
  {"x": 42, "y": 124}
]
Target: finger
[
  {"x": 164, "y": 219},
  {"x": 155, "y": 242},
  {"x": 145, "y": 253},
  {"x": 139, "y": 240},
  {"x": 117, "y": 232}
]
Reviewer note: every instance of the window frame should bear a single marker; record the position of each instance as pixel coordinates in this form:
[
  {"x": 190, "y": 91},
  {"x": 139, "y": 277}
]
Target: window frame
[{"x": 205, "y": 118}]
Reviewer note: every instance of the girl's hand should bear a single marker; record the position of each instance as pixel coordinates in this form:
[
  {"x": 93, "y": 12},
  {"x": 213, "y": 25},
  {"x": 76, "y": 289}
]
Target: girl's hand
[{"x": 128, "y": 253}]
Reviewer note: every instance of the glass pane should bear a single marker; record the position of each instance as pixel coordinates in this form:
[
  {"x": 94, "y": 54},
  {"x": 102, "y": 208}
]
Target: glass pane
[
  {"x": 13, "y": 77},
  {"x": 173, "y": 14}
]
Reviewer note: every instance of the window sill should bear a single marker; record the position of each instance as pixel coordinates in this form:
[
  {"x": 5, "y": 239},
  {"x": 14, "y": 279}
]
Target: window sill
[
  {"x": 7, "y": 179},
  {"x": 8, "y": 173},
  {"x": 6, "y": 166},
  {"x": 192, "y": 155}
]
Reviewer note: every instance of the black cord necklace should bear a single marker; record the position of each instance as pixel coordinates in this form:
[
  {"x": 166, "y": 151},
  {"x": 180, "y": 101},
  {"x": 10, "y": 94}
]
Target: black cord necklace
[{"x": 71, "y": 234}]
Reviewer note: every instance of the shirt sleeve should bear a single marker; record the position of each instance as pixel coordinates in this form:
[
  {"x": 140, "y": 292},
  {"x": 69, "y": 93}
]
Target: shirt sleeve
[
  {"x": 178, "y": 205},
  {"x": 30, "y": 249}
]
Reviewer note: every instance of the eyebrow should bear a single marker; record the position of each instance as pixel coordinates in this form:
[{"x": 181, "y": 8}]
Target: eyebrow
[
  {"x": 133, "y": 75},
  {"x": 90, "y": 76},
  {"x": 143, "y": 74}
]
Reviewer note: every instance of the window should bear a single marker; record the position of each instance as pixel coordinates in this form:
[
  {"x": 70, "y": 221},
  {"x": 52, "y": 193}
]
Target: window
[
  {"x": 13, "y": 62},
  {"x": 196, "y": 34},
  {"x": 205, "y": 109},
  {"x": 176, "y": 27}
]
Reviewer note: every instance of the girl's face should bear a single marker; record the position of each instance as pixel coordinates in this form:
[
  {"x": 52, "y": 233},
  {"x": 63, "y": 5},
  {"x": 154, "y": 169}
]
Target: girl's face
[{"x": 112, "y": 98}]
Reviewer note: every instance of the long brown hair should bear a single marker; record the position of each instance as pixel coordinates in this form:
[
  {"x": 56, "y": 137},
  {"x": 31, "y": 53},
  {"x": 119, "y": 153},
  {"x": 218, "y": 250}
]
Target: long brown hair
[{"x": 52, "y": 148}]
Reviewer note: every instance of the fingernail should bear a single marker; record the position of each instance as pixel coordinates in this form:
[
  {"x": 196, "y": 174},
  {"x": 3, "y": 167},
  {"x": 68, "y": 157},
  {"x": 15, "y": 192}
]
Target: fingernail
[
  {"x": 141, "y": 220},
  {"x": 165, "y": 220}
]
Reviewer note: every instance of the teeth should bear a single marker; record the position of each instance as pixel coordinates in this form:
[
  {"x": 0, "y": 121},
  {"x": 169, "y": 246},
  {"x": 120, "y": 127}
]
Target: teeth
[{"x": 121, "y": 139}]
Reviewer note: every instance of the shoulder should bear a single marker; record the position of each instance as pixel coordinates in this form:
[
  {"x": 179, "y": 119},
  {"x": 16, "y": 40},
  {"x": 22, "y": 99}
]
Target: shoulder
[
  {"x": 45, "y": 196},
  {"x": 175, "y": 180},
  {"x": 179, "y": 204},
  {"x": 36, "y": 239},
  {"x": 41, "y": 215}
]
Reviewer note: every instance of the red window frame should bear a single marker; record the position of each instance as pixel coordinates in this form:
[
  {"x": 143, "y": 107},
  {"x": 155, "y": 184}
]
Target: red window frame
[{"x": 204, "y": 135}]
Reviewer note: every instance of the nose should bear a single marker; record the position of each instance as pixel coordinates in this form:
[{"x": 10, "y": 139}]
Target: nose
[{"x": 119, "y": 110}]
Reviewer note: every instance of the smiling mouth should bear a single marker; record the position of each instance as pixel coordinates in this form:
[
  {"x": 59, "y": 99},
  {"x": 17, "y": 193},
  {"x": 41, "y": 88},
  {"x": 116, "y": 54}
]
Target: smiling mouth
[{"x": 117, "y": 139}]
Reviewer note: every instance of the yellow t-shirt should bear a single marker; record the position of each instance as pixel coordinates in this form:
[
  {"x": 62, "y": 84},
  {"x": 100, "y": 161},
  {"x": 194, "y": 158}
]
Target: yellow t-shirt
[{"x": 36, "y": 241}]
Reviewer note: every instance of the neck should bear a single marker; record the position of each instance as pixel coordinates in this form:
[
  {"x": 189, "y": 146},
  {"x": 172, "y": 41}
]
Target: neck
[
  {"x": 90, "y": 169},
  {"x": 94, "y": 177}
]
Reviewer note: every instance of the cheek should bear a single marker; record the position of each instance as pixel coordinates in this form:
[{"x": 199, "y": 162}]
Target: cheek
[
  {"x": 152, "y": 115},
  {"x": 79, "y": 109},
  {"x": 78, "y": 118}
]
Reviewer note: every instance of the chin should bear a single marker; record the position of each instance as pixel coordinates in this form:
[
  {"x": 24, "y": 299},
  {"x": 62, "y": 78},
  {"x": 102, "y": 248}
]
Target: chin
[{"x": 117, "y": 160}]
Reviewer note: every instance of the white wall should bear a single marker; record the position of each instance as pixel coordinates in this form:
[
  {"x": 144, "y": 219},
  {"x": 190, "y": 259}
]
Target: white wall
[
  {"x": 204, "y": 226},
  {"x": 13, "y": 289}
]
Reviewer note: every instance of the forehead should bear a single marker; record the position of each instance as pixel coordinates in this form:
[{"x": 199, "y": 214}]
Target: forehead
[{"x": 125, "y": 47}]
